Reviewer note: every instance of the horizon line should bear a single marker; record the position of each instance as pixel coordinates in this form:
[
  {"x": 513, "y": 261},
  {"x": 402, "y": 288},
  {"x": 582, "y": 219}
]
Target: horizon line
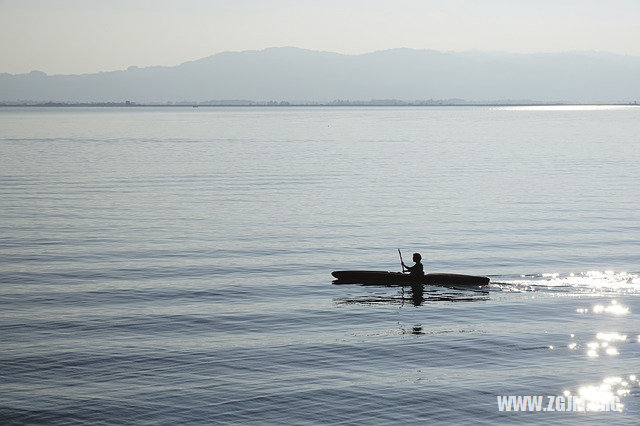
[{"x": 276, "y": 104}]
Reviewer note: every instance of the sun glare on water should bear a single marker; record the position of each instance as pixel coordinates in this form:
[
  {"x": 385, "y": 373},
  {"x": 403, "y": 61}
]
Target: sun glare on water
[
  {"x": 614, "y": 308},
  {"x": 591, "y": 282},
  {"x": 599, "y": 397},
  {"x": 566, "y": 107}
]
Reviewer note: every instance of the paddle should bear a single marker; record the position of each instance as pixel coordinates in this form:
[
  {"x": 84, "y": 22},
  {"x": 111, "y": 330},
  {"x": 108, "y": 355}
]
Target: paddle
[{"x": 401, "y": 262}]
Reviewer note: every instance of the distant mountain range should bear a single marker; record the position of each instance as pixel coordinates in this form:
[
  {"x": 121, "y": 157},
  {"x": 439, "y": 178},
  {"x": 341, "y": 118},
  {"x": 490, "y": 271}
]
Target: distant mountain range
[{"x": 292, "y": 74}]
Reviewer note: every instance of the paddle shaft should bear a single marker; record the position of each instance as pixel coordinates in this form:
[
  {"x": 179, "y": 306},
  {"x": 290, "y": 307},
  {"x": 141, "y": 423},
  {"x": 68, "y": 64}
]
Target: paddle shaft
[{"x": 401, "y": 261}]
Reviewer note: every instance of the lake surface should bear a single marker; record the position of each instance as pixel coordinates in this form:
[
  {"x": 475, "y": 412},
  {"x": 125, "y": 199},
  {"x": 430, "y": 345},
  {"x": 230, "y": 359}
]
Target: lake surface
[{"x": 172, "y": 265}]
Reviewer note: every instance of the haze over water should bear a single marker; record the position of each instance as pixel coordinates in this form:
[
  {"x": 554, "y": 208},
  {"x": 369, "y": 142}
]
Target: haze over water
[{"x": 173, "y": 264}]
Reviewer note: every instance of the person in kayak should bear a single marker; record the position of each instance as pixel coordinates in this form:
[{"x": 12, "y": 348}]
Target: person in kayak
[{"x": 416, "y": 269}]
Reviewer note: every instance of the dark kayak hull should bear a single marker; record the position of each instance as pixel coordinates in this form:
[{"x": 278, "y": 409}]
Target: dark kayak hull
[{"x": 400, "y": 279}]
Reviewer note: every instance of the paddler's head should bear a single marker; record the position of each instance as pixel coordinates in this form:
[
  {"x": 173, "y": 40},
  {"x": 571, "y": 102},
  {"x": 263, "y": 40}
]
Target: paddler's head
[{"x": 416, "y": 257}]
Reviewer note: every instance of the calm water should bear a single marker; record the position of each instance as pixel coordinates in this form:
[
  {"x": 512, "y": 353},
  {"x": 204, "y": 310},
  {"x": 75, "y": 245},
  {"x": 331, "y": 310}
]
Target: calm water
[{"x": 173, "y": 265}]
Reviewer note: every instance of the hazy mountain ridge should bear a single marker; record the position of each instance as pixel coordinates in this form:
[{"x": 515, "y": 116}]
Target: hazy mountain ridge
[{"x": 293, "y": 74}]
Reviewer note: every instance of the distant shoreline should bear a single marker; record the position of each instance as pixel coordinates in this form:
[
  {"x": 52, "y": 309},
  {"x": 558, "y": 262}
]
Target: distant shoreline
[{"x": 291, "y": 104}]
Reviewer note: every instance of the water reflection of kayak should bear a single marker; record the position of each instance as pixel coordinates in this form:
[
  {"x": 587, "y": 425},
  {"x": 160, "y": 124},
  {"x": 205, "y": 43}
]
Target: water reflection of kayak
[{"x": 400, "y": 279}]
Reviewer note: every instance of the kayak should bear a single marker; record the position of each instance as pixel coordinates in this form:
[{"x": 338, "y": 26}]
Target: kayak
[{"x": 400, "y": 279}]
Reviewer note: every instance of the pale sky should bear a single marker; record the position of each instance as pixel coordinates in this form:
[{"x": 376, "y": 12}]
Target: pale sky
[{"x": 81, "y": 36}]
